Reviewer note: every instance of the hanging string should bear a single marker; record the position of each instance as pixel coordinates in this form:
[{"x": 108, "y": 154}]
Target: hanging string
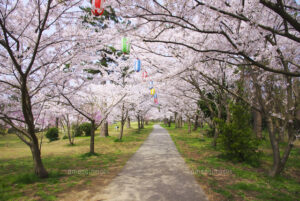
[{"x": 137, "y": 68}]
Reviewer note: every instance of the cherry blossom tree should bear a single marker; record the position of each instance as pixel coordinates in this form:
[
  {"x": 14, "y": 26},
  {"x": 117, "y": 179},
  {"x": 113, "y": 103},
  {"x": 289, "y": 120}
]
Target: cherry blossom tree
[
  {"x": 250, "y": 37},
  {"x": 200, "y": 56},
  {"x": 36, "y": 39},
  {"x": 93, "y": 102}
]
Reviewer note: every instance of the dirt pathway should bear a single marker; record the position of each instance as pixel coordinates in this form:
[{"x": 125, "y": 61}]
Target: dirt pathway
[{"x": 156, "y": 172}]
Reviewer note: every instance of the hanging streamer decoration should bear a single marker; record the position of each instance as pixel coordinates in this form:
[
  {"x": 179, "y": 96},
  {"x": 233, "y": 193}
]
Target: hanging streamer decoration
[
  {"x": 155, "y": 98},
  {"x": 144, "y": 75},
  {"x": 152, "y": 91},
  {"x": 137, "y": 65},
  {"x": 97, "y": 7},
  {"x": 125, "y": 45},
  {"x": 150, "y": 84},
  {"x": 137, "y": 68}
]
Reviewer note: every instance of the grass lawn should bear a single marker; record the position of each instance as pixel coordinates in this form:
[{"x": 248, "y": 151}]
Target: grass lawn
[
  {"x": 225, "y": 180},
  {"x": 71, "y": 170}
]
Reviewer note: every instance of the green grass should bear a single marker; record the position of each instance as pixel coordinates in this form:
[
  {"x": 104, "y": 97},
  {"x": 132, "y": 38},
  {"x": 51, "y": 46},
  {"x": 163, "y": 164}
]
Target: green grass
[
  {"x": 232, "y": 180},
  {"x": 68, "y": 166},
  {"x": 45, "y": 196}
]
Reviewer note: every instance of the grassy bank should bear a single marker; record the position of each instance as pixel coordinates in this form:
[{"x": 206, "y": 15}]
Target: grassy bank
[
  {"x": 225, "y": 180},
  {"x": 71, "y": 169}
]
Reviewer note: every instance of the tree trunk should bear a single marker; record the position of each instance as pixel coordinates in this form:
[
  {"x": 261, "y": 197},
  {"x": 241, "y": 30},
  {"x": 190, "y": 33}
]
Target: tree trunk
[
  {"x": 201, "y": 124},
  {"x": 216, "y": 130},
  {"x": 128, "y": 122},
  {"x": 196, "y": 123},
  {"x": 189, "y": 125},
  {"x": 104, "y": 129},
  {"x": 92, "y": 142},
  {"x": 180, "y": 122},
  {"x": 122, "y": 128},
  {"x": 56, "y": 122},
  {"x": 121, "y": 131},
  {"x": 275, "y": 147},
  {"x": 282, "y": 132},
  {"x": 139, "y": 123},
  {"x": 169, "y": 122},
  {"x": 142, "y": 122},
  {"x": 216, "y": 134},
  {"x": 71, "y": 138},
  {"x": 289, "y": 122},
  {"x": 176, "y": 120},
  {"x": 257, "y": 124},
  {"x": 123, "y": 119},
  {"x": 228, "y": 115},
  {"x": 278, "y": 162},
  {"x": 165, "y": 121},
  {"x": 279, "y": 130},
  {"x": 39, "y": 168},
  {"x": 64, "y": 128}
]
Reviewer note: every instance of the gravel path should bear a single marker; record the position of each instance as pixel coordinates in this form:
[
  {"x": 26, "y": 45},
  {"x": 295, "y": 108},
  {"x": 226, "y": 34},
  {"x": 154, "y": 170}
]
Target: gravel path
[{"x": 155, "y": 172}]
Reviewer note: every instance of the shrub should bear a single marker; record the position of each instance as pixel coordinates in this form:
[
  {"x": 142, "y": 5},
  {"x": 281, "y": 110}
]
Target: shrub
[
  {"x": 37, "y": 130},
  {"x": 210, "y": 132},
  {"x": 52, "y": 134},
  {"x": 86, "y": 128},
  {"x": 11, "y": 130},
  {"x": 2, "y": 130},
  {"x": 237, "y": 140},
  {"x": 76, "y": 131}
]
